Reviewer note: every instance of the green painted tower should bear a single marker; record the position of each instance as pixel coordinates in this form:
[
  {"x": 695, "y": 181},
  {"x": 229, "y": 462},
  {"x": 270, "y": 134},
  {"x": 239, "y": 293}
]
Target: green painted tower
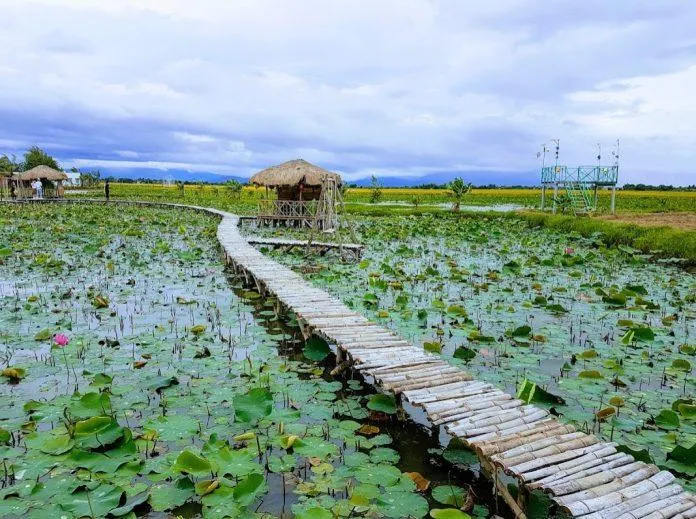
[{"x": 579, "y": 184}]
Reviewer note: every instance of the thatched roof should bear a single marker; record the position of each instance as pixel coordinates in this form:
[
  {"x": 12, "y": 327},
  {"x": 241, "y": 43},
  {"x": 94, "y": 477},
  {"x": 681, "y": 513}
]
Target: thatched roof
[
  {"x": 292, "y": 173},
  {"x": 42, "y": 172}
]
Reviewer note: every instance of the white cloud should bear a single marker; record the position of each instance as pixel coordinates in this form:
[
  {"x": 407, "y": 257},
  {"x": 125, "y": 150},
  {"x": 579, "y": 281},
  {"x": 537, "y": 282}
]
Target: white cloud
[{"x": 398, "y": 87}]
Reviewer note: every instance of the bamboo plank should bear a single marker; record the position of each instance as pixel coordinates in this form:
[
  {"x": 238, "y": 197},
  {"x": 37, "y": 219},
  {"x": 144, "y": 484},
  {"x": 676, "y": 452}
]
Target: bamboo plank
[
  {"x": 445, "y": 392},
  {"x": 472, "y": 427},
  {"x": 597, "y": 485},
  {"x": 611, "y": 499},
  {"x": 510, "y": 441},
  {"x": 532, "y": 446},
  {"x": 613, "y": 512},
  {"x": 592, "y": 465},
  {"x": 538, "y": 463},
  {"x": 595, "y": 451},
  {"x": 494, "y": 407},
  {"x": 562, "y": 447},
  {"x": 599, "y": 476},
  {"x": 674, "y": 507}
]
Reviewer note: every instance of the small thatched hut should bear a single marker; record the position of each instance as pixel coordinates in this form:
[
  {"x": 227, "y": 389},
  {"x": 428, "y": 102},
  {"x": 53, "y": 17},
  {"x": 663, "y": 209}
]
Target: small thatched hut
[
  {"x": 295, "y": 180},
  {"x": 306, "y": 194},
  {"x": 52, "y": 181},
  {"x": 42, "y": 173}
]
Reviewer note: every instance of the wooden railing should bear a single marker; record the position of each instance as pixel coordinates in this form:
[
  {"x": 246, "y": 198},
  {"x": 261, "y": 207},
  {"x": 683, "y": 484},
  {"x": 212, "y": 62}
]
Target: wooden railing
[
  {"x": 27, "y": 192},
  {"x": 287, "y": 209}
]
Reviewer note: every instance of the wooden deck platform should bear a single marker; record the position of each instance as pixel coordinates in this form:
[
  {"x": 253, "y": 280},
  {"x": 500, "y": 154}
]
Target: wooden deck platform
[{"x": 584, "y": 474}]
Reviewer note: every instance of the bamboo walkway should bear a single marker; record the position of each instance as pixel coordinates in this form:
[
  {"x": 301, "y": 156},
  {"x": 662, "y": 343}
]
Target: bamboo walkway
[{"x": 585, "y": 475}]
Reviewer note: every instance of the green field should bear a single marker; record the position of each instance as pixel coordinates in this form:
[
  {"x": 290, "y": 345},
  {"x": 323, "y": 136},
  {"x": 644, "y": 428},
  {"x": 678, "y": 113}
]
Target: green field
[
  {"x": 222, "y": 197},
  {"x": 665, "y": 241}
]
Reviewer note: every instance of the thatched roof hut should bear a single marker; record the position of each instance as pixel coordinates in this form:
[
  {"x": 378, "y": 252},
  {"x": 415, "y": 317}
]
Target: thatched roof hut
[
  {"x": 293, "y": 173},
  {"x": 41, "y": 172},
  {"x": 300, "y": 188}
]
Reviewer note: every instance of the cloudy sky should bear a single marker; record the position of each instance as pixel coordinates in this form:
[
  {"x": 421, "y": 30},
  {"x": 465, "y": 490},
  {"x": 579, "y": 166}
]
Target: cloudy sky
[{"x": 404, "y": 88}]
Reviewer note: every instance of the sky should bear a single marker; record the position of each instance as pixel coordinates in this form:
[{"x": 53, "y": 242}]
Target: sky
[{"x": 417, "y": 89}]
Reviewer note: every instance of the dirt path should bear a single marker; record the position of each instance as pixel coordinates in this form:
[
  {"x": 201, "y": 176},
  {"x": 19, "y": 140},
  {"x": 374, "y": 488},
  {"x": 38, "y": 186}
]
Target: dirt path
[{"x": 683, "y": 221}]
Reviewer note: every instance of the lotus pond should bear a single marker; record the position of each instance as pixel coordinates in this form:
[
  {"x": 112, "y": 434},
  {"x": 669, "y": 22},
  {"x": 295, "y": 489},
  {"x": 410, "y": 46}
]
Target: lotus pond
[
  {"x": 603, "y": 337},
  {"x": 141, "y": 379}
]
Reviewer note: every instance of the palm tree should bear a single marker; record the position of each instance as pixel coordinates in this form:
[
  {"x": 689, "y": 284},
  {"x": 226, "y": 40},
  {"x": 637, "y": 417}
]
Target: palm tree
[
  {"x": 459, "y": 188},
  {"x": 234, "y": 187}
]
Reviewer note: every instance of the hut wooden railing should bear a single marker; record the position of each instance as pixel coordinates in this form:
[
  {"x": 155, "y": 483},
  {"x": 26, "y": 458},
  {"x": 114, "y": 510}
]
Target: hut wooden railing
[
  {"x": 287, "y": 209},
  {"x": 28, "y": 192}
]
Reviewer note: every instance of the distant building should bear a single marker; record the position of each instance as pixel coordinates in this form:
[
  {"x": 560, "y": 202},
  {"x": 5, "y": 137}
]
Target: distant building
[{"x": 73, "y": 180}]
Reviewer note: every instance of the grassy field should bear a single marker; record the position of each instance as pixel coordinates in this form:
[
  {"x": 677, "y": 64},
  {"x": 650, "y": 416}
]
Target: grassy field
[
  {"x": 221, "y": 196},
  {"x": 673, "y": 238},
  {"x": 627, "y": 201}
]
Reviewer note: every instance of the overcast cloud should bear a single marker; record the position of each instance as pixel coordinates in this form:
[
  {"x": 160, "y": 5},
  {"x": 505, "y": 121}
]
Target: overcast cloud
[{"x": 424, "y": 88}]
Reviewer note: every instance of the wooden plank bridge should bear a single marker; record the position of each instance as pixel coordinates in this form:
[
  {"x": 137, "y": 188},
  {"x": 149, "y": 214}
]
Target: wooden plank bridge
[{"x": 586, "y": 476}]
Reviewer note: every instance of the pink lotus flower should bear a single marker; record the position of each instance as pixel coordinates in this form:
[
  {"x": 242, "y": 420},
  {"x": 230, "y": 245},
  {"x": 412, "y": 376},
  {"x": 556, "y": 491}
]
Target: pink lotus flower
[
  {"x": 569, "y": 251},
  {"x": 61, "y": 340}
]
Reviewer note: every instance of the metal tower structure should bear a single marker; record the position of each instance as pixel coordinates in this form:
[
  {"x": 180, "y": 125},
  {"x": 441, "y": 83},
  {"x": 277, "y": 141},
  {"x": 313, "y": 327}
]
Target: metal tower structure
[{"x": 580, "y": 184}]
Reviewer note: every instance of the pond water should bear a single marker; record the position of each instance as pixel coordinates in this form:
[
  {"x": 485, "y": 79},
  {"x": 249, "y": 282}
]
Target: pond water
[{"x": 181, "y": 392}]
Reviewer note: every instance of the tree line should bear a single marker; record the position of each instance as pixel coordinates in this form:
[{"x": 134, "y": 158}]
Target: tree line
[{"x": 34, "y": 157}]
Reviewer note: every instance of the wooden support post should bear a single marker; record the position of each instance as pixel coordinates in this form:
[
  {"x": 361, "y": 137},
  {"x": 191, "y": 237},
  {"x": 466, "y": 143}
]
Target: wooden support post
[
  {"x": 304, "y": 329},
  {"x": 260, "y": 287},
  {"x": 500, "y": 488}
]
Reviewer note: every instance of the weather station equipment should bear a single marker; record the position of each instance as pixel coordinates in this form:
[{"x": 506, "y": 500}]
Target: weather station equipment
[{"x": 576, "y": 188}]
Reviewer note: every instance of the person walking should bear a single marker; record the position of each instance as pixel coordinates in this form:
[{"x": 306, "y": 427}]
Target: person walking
[{"x": 107, "y": 190}]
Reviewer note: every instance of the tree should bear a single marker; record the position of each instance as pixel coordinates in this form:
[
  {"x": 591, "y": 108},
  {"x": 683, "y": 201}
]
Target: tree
[
  {"x": 459, "y": 188},
  {"x": 234, "y": 187},
  {"x": 563, "y": 202},
  {"x": 89, "y": 178},
  {"x": 35, "y": 156},
  {"x": 8, "y": 165},
  {"x": 376, "y": 191}
]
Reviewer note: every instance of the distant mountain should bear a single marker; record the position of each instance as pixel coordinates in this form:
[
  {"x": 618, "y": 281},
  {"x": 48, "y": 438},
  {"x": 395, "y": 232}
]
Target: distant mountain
[
  {"x": 173, "y": 175},
  {"x": 476, "y": 178}
]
